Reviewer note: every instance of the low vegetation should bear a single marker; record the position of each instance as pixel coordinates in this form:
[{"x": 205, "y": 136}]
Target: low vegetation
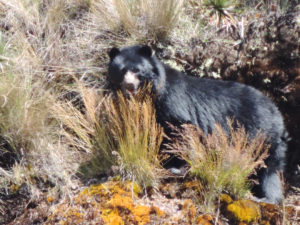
[
  {"x": 140, "y": 19},
  {"x": 61, "y": 130},
  {"x": 115, "y": 131},
  {"x": 222, "y": 162}
]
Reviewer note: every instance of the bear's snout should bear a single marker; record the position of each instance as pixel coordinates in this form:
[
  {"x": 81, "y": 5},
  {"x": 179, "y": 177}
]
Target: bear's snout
[{"x": 130, "y": 82}]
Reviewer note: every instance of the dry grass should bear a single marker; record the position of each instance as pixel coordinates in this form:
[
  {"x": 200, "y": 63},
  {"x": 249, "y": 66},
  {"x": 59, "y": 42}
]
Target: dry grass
[
  {"x": 142, "y": 20},
  {"x": 30, "y": 137},
  {"x": 84, "y": 131},
  {"x": 33, "y": 54},
  {"x": 133, "y": 125},
  {"x": 223, "y": 163},
  {"x": 116, "y": 132},
  {"x": 45, "y": 46}
]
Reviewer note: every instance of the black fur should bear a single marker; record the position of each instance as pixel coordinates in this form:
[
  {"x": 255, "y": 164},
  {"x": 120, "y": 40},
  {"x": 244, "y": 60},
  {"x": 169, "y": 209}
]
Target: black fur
[{"x": 205, "y": 102}]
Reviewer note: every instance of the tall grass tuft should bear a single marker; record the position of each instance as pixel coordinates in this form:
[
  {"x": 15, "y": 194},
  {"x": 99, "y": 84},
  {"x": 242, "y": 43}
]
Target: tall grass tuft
[
  {"x": 223, "y": 161},
  {"x": 140, "y": 19},
  {"x": 23, "y": 112},
  {"x": 84, "y": 131},
  {"x": 133, "y": 124},
  {"x": 31, "y": 148},
  {"x": 117, "y": 131},
  {"x": 163, "y": 16}
]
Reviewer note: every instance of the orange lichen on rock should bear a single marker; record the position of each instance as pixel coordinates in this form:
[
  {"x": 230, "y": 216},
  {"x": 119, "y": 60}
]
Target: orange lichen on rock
[
  {"x": 141, "y": 214},
  {"x": 244, "y": 211},
  {"x": 225, "y": 198},
  {"x": 194, "y": 185},
  {"x": 274, "y": 214},
  {"x": 205, "y": 219},
  {"x": 112, "y": 217},
  {"x": 121, "y": 201},
  {"x": 110, "y": 203},
  {"x": 251, "y": 212},
  {"x": 189, "y": 210},
  {"x": 50, "y": 199},
  {"x": 157, "y": 211}
]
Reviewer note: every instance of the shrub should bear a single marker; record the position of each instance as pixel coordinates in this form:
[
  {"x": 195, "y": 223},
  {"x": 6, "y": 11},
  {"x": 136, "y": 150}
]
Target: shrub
[
  {"x": 222, "y": 162},
  {"x": 222, "y": 9}
]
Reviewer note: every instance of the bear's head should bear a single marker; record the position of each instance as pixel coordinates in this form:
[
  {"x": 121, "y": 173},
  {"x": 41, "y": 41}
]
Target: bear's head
[{"x": 133, "y": 67}]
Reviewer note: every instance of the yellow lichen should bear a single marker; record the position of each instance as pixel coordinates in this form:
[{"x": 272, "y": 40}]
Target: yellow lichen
[
  {"x": 265, "y": 222},
  {"x": 189, "y": 209},
  {"x": 225, "y": 198},
  {"x": 205, "y": 219},
  {"x": 112, "y": 202},
  {"x": 157, "y": 211},
  {"x": 15, "y": 188},
  {"x": 244, "y": 210},
  {"x": 50, "y": 199},
  {"x": 73, "y": 214},
  {"x": 141, "y": 214},
  {"x": 121, "y": 201},
  {"x": 112, "y": 218},
  {"x": 134, "y": 187},
  {"x": 193, "y": 185}
]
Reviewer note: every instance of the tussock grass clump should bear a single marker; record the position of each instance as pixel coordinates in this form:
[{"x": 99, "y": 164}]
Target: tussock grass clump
[
  {"x": 31, "y": 151},
  {"x": 133, "y": 124},
  {"x": 83, "y": 130},
  {"x": 141, "y": 19},
  {"x": 30, "y": 146},
  {"x": 23, "y": 112},
  {"x": 162, "y": 16},
  {"x": 222, "y": 160},
  {"x": 115, "y": 131}
]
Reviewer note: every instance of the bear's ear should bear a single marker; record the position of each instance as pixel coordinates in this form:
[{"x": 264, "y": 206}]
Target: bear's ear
[
  {"x": 146, "y": 51},
  {"x": 113, "y": 53}
]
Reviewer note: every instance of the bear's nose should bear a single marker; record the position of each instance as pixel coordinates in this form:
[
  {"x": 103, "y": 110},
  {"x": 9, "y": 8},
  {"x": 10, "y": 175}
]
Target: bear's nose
[{"x": 130, "y": 87}]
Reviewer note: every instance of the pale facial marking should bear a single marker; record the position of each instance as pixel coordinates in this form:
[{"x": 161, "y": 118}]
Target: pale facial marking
[{"x": 130, "y": 83}]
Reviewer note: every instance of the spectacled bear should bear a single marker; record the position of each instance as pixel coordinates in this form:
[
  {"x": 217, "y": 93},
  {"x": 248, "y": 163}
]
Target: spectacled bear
[{"x": 203, "y": 102}]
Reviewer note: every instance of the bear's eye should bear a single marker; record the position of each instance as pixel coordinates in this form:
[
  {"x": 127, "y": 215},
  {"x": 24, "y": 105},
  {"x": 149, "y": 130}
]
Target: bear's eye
[
  {"x": 155, "y": 70},
  {"x": 124, "y": 70},
  {"x": 135, "y": 70}
]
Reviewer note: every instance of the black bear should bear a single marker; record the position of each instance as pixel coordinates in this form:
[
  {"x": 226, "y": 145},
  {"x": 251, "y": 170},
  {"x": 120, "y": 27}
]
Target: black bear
[{"x": 204, "y": 102}]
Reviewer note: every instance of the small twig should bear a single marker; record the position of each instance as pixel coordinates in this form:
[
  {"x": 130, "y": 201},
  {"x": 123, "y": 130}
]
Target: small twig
[
  {"x": 5, "y": 173},
  {"x": 5, "y": 101},
  {"x": 218, "y": 212}
]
